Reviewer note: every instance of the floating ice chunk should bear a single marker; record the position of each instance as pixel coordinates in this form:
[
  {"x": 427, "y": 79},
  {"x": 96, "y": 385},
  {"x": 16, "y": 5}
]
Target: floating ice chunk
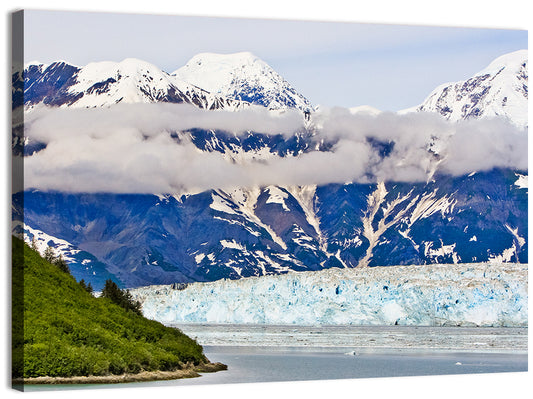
[{"x": 352, "y": 353}]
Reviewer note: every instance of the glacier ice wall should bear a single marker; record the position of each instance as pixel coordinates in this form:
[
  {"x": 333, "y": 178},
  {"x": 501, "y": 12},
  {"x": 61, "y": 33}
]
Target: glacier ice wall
[{"x": 434, "y": 295}]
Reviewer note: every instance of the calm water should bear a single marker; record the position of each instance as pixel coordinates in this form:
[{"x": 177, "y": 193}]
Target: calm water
[
  {"x": 248, "y": 364},
  {"x": 267, "y": 364}
]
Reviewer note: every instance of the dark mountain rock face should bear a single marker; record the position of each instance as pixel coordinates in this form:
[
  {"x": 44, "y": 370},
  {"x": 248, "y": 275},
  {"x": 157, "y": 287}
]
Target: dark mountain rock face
[
  {"x": 50, "y": 85},
  {"x": 145, "y": 239},
  {"x": 253, "y": 231}
]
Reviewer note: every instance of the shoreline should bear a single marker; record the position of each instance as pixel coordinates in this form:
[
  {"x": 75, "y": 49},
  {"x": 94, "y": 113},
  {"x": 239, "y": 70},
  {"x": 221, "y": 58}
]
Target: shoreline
[
  {"x": 143, "y": 376},
  {"x": 260, "y": 364}
]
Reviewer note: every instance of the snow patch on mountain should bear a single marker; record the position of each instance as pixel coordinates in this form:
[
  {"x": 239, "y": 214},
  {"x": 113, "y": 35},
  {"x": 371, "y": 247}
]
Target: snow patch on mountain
[
  {"x": 441, "y": 252},
  {"x": 277, "y": 196},
  {"x": 514, "y": 231},
  {"x": 42, "y": 241},
  {"x": 305, "y": 195},
  {"x": 522, "y": 181},
  {"x": 506, "y": 255},
  {"x": 232, "y": 244},
  {"x": 380, "y": 215},
  {"x": 242, "y": 202}
]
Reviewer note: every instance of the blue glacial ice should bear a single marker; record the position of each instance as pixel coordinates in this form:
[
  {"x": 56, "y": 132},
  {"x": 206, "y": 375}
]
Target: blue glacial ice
[{"x": 478, "y": 294}]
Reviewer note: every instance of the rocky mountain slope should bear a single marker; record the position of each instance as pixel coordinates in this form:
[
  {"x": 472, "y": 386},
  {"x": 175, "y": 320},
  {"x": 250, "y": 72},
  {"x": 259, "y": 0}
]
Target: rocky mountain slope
[{"x": 146, "y": 239}]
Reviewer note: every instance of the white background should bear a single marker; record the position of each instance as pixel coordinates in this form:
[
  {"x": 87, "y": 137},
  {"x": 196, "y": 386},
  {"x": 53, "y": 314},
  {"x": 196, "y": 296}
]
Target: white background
[{"x": 508, "y": 14}]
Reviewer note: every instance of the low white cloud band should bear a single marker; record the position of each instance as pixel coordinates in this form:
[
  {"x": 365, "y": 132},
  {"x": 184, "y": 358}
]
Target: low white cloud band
[{"x": 129, "y": 148}]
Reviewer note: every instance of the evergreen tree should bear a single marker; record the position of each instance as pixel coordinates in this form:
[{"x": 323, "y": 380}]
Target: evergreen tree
[
  {"x": 122, "y": 298},
  {"x": 87, "y": 287},
  {"x": 111, "y": 291},
  {"x": 49, "y": 255},
  {"x": 34, "y": 244},
  {"x": 62, "y": 264}
]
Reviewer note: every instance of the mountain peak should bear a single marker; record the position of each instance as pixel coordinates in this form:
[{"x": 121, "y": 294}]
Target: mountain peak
[
  {"x": 499, "y": 90},
  {"x": 43, "y": 65},
  {"x": 509, "y": 60},
  {"x": 230, "y": 57},
  {"x": 105, "y": 83},
  {"x": 242, "y": 76},
  {"x": 365, "y": 110}
]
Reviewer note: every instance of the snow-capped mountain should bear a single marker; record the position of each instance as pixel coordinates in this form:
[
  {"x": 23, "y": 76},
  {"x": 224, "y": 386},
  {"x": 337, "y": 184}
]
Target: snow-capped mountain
[
  {"x": 264, "y": 230},
  {"x": 501, "y": 89},
  {"x": 101, "y": 84},
  {"x": 242, "y": 76}
]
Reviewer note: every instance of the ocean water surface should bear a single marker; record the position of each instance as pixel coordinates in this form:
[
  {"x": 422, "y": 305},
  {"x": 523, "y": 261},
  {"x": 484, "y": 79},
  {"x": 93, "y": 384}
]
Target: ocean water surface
[{"x": 267, "y": 364}]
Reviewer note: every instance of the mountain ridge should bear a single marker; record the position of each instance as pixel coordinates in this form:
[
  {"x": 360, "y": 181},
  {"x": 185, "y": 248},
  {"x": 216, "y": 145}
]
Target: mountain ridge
[
  {"x": 474, "y": 216},
  {"x": 235, "y": 81},
  {"x": 106, "y": 83},
  {"x": 76, "y": 86}
]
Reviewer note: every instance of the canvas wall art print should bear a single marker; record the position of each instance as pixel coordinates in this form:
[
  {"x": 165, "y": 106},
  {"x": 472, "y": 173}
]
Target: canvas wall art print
[{"x": 245, "y": 200}]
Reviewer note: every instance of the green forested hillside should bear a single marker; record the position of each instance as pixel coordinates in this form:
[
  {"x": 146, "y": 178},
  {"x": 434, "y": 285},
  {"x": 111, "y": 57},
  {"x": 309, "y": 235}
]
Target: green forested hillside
[{"x": 61, "y": 330}]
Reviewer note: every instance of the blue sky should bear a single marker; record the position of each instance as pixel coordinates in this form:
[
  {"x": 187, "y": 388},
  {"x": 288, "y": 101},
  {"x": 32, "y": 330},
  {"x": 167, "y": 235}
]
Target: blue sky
[{"x": 390, "y": 67}]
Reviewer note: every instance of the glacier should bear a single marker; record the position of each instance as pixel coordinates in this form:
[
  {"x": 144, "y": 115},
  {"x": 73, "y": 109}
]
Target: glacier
[{"x": 474, "y": 294}]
